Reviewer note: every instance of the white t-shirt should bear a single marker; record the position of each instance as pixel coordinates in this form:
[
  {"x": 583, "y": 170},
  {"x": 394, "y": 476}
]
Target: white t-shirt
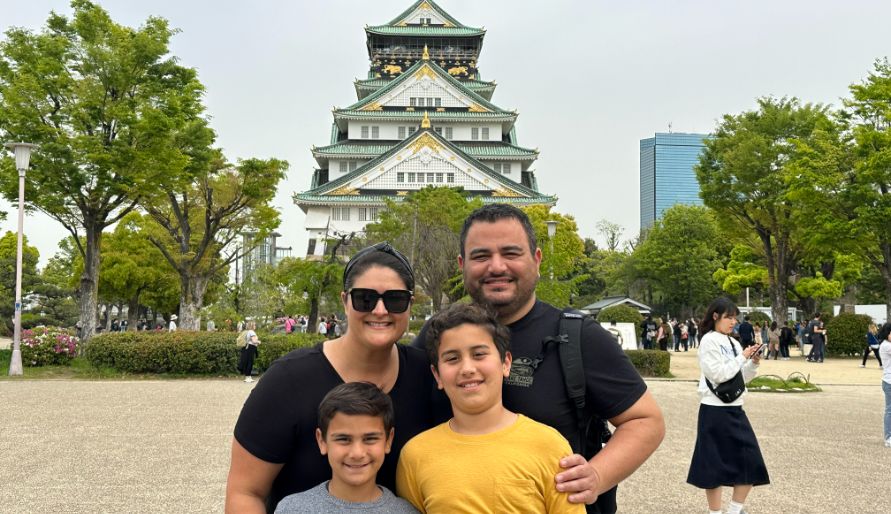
[
  {"x": 885, "y": 354},
  {"x": 323, "y": 328},
  {"x": 172, "y": 326}
]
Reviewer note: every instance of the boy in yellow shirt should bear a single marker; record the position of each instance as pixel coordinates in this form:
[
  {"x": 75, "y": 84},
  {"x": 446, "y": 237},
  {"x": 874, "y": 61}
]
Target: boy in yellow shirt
[{"x": 486, "y": 458}]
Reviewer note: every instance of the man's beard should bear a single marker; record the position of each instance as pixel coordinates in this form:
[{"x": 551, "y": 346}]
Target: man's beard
[{"x": 503, "y": 307}]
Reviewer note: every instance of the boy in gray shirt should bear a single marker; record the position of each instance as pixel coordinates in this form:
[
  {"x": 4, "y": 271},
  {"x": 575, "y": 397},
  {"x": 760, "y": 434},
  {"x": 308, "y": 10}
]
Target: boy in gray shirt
[{"x": 355, "y": 431}]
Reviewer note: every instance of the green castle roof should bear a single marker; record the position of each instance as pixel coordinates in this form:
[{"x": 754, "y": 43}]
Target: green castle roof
[
  {"x": 368, "y": 86},
  {"x": 433, "y": 5},
  {"x": 479, "y": 150},
  {"x": 495, "y": 177},
  {"x": 408, "y": 75}
]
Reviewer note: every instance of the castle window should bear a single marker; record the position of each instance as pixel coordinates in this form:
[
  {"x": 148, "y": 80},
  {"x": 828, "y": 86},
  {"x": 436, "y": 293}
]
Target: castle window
[
  {"x": 474, "y": 133},
  {"x": 451, "y": 178},
  {"x": 448, "y": 132},
  {"x": 376, "y": 132},
  {"x": 438, "y": 130},
  {"x": 400, "y": 177},
  {"x": 402, "y": 131},
  {"x": 342, "y": 166},
  {"x": 340, "y": 213},
  {"x": 364, "y": 132},
  {"x": 485, "y": 133}
]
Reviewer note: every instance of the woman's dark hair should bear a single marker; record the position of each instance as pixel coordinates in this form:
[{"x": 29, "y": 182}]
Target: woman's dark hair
[
  {"x": 383, "y": 255},
  {"x": 356, "y": 399},
  {"x": 773, "y": 326},
  {"x": 720, "y": 306},
  {"x": 884, "y": 332},
  {"x": 459, "y": 314}
]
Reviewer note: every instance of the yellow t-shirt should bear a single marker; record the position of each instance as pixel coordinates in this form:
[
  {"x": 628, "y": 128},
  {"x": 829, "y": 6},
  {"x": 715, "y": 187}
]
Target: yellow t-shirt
[{"x": 508, "y": 471}]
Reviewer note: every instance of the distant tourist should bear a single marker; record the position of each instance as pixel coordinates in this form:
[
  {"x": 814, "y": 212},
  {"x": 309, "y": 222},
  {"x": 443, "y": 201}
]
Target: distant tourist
[
  {"x": 884, "y": 336},
  {"x": 872, "y": 345},
  {"x": 248, "y": 352},
  {"x": 726, "y": 452},
  {"x": 211, "y": 325},
  {"x": 172, "y": 326}
]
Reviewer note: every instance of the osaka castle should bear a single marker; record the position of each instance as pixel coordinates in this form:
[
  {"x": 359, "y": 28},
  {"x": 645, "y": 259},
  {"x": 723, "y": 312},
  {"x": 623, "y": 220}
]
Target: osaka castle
[{"x": 424, "y": 116}]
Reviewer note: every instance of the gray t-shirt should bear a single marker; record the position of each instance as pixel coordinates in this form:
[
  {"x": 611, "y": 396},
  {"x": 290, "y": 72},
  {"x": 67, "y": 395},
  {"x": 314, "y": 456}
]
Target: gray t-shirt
[{"x": 318, "y": 501}]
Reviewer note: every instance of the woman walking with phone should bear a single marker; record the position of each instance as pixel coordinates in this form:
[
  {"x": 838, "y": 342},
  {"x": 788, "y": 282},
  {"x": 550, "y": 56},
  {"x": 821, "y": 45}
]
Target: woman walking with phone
[
  {"x": 884, "y": 336},
  {"x": 726, "y": 451}
]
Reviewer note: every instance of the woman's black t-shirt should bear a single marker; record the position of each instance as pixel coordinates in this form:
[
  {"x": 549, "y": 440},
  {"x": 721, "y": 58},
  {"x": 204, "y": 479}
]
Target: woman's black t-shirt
[{"x": 279, "y": 419}]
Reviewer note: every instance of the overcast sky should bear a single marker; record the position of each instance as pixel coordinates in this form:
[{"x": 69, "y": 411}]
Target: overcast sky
[{"x": 589, "y": 78}]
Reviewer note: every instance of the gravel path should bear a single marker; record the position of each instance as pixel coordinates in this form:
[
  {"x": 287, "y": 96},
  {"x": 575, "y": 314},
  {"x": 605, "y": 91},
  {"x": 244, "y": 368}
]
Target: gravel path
[{"x": 163, "y": 446}]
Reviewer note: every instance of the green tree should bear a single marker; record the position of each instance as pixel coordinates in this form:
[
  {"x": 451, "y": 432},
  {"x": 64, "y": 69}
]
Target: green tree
[
  {"x": 317, "y": 283},
  {"x": 679, "y": 256},
  {"x": 744, "y": 270},
  {"x": 55, "y": 292},
  {"x": 131, "y": 265},
  {"x": 206, "y": 211},
  {"x": 744, "y": 176},
  {"x": 567, "y": 257},
  {"x": 103, "y": 101},
  {"x": 426, "y": 226},
  {"x": 8, "y": 252},
  {"x": 866, "y": 184}
]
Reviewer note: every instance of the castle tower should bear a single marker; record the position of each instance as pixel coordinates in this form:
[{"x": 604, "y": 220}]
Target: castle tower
[{"x": 423, "y": 117}]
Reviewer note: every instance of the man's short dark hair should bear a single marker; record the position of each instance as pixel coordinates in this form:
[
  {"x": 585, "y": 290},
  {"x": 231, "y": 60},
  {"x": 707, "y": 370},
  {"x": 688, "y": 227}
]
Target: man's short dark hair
[
  {"x": 459, "y": 314},
  {"x": 356, "y": 399},
  {"x": 495, "y": 212}
]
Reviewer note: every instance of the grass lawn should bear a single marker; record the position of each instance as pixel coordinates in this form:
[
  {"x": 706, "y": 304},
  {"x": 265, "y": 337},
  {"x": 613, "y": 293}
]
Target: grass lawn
[{"x": 794, "y": 383}]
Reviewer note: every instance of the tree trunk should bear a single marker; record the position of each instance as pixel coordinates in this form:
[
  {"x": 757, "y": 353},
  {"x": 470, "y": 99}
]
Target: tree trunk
[
  {"x": 776, "y": 274},
  {"x": 133, "y": 311},
  {"x": 312, "y": 324},
  {"x": 88, "y": 290},
  {"x": 191, "y": 299}
]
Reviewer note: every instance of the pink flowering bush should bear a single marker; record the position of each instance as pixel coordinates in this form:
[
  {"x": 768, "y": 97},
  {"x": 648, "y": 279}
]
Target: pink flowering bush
[{"x": 49, "y": 346}]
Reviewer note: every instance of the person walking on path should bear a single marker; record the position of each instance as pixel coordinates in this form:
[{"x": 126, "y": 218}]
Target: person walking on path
[
  {"x": 787, "y": 336},
  {"x": 872, "y": 345},
  {"x": 248, "y": 351},
  {"x": 663, "y": 335},
  {"x": 884, "y": 336},
  {"x": 692, "y": 330},
  {"x": 817, "y": 339},
  {"x": 746, "y": 333},
  {"x": 773, "y": 337},
  {"x": 726, "y": 452}
]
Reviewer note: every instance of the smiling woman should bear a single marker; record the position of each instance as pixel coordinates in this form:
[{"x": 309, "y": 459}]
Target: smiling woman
[{"x": 275, "y": 452}]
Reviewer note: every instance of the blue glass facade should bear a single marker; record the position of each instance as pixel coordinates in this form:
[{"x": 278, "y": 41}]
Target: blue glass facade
[{"x": 666, "y": 173}]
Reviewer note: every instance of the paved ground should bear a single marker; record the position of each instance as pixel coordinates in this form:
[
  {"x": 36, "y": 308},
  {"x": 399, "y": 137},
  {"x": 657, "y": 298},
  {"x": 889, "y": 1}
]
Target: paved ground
[{"x": 163, "y": 446}]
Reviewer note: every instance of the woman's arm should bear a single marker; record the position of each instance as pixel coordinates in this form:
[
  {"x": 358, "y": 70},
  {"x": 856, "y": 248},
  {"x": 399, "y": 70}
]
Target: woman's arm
[{"x": 250, "y": 480}]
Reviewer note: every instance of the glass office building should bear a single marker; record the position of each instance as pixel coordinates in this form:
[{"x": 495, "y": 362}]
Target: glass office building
[{"x": 666, "y": 173}]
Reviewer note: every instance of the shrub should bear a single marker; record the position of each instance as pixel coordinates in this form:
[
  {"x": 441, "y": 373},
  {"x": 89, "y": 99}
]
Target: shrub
[
  {"x": 48, "y": 346},
  {"x": 758, "y": 316},
  {"x": 184, "y": 351},
  {"x": 847, "y": 334},
  {"x": 620, "y": 314},
  {"x": 650, "y": 363}
]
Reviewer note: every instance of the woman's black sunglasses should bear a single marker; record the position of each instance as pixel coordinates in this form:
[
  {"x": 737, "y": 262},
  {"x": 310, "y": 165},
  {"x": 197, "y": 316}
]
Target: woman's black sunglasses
[{"x": 395, "y": 300}]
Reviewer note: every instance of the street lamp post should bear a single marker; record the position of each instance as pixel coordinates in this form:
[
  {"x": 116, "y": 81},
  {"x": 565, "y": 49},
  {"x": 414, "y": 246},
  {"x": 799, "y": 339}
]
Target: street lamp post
[
  {"x": 22, "y": 157},
  {"x": 552, "y": 230}
]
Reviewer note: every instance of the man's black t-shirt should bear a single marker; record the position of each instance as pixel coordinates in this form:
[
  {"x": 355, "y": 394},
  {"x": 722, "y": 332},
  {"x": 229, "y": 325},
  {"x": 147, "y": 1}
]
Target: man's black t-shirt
[
  {"x": 536, "y": 387},
  {"x": 279, "y": 419}
]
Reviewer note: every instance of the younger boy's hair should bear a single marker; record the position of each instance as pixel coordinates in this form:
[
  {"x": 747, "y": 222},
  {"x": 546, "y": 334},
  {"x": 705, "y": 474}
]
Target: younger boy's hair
[
  {"x": 459, "y": 314},
  {"x": 356, "y": 399}
]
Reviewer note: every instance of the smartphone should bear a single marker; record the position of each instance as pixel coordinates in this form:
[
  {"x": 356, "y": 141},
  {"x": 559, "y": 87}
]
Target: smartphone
[{"x": 758, "y": 348}]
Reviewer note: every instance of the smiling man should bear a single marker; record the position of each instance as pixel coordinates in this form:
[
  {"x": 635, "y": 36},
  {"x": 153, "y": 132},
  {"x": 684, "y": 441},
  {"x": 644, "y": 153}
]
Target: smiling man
[{"x": 500, "y": 260}]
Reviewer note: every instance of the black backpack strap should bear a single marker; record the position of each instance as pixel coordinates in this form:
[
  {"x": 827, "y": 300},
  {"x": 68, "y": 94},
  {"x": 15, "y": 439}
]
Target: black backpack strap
[{"x": 570, "y": 351}]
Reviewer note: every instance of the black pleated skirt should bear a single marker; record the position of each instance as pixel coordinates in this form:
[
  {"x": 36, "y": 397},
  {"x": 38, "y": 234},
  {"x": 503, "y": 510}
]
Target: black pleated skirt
[{"x": 726, "y": 451}]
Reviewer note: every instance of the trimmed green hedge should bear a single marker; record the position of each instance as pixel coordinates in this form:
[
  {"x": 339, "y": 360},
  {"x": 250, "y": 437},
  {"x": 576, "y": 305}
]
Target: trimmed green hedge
[
  {"x": 620, "y": 314},
  {"x": 184, "y": 352},
  {"x": 847, "y": 334},
  {"x": 650, "y": 363}
]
